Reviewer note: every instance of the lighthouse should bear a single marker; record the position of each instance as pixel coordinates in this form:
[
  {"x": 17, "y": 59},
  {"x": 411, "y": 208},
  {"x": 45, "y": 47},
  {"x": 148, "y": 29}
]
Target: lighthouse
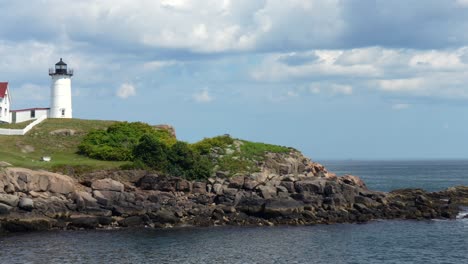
[{"x": 60, "y": 91}]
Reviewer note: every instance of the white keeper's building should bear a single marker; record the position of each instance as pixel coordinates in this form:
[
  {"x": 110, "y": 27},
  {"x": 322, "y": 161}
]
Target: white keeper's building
[{"x": 60, "y": 98}]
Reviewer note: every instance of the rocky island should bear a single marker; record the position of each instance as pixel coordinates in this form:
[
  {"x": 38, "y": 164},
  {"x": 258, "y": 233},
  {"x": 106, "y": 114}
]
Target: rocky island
[
  {"x": 278, "y": 187},
  {"x": 289, "y": 189}
]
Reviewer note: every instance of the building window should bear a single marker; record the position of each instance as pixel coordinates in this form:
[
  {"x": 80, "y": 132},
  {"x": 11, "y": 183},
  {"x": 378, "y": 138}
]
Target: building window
[
  {"x": 63, "y": 112},
  {"x": 33, "y": 113},
  {"x": 1, "y": 112}
]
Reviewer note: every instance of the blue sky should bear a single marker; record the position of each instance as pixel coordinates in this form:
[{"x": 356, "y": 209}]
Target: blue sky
[{"x": 336, "y": 79}]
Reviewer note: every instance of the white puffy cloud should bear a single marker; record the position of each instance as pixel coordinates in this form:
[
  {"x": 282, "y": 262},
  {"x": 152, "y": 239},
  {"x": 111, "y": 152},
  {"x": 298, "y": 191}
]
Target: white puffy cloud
[
  {"x": 401, "y": 85},
  {"x": 126, "y": 90},
  {"x": 203, "y": 96},
  {"x": 25, "y": 57},
  {"x": 462, "y": 3},
  {"x": 202, "y": 26},
  {"x": 297, "y": 42},
  {"x": 276, "y": 68},
  {"x": 434, "y": 73},
  {"x": 436, "y": 60}
]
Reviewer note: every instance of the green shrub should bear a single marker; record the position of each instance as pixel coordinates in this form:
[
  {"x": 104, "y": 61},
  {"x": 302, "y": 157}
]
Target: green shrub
[
  {"x": 187, "y": 163},
  {"x": 205, "y": 146},
  {"x": 257, "y": 150},
  {"x": 177, "y": 160},
  {"x": 234, "y": 164},
  {"x": 118, "y": 140},
  {"x": 152, "y": 152}
]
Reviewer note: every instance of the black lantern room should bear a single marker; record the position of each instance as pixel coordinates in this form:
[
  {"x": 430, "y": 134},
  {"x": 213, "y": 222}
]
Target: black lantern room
[{"x": 60, "y": 69}]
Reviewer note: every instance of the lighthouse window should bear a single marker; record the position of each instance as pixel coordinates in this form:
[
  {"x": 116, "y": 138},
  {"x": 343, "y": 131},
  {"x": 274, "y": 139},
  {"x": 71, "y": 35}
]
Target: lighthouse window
[
  {"x": 33, "y": 113},
  {"x": 63, "y": 112}
]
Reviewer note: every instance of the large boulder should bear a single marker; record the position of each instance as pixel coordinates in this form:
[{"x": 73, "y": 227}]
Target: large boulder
[
  {"x": 159, "y": 183},
  {"x": 83, "y": 221},
  {"x": 108, "y": 198},
  {"x": 218, "y": 188},
  {"x": 312, "y": 186},
  {"x": 107, "y": 185},
  {"x": 283, "y": 207},
  {"x": 236, "y": 182},
  {"x": 63, "y": 132},
  {"x": 5, "y": 209},
  {"x": 26, "y": 180},
  {"x": 8, "y": 199},
  {"x": 164, "y": 216},
  {"x": 5, "y": 164},
  {"x": 26, "y": 204},
  {"x": 289, "y": 186},
  {"x": 83, "y": 199},
  {"x": 257, "y": 177},
  {"x": 267, "y": 191},
  {"x": 26, "y": 225},
  {"x": 199, "y": 187},
  {"x": 250, "y": 183},
  {"x": 183, "y": 185},
  {"x": 251, "y": 205},
  {"x": 353, "y": 180},
  {"x": 132, "y": 221}
]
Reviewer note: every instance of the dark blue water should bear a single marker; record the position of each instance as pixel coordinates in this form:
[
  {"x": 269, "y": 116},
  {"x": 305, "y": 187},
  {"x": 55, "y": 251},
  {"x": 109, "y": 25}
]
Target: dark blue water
[
  {"x": 375, "y": 242},
  {"x": 432, "y": 175}
]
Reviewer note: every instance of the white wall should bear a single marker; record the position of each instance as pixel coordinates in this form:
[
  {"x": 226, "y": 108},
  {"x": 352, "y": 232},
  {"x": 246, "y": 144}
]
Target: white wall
[
  {"x": 60, "y": 97},
  {"x": 13, "y": 132},
  {"x": 5, "y": 108},
  {"x": 23, "y": 116}
]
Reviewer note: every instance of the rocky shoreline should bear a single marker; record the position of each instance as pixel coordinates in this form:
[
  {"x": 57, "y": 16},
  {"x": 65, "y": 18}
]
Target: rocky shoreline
[{"x": 288, "y": 189}]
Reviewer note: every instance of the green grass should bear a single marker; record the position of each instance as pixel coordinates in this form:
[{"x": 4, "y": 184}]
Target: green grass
[
  {"x": 26, "y": 151},
  {"x": 257, "y": 150},
  {"x": 17, "y": 125},
  {"x": 248, "y": 157}
]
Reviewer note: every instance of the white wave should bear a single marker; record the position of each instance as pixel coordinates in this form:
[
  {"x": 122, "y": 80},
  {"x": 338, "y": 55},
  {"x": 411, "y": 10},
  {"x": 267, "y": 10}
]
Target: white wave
[{"x": 463, "y": 213}]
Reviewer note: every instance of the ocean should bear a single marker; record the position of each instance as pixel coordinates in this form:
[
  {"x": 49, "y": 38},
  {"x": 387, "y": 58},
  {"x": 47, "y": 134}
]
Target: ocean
[{"x": 434, "y": 241}]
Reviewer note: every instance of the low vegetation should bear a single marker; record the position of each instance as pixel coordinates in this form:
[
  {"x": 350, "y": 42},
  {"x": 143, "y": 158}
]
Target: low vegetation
[
  {"x": 27, "y": 151},
  {"x": 179, "y": 159},
  {"x": 16, "y": 126},
  {"x": 118, "y": 140},
  {"x": 77, "y": 146}
]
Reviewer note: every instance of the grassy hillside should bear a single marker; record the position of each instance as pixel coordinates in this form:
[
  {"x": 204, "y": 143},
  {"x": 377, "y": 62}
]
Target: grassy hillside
[
  {"x": 17, "y": 125},
  {"x": 27, "y": 150},
  {"x": 60, "y": 138}
]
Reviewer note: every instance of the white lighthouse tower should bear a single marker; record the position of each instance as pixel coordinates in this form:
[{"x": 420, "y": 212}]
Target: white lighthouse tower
[{"x": 60, "y": 93}]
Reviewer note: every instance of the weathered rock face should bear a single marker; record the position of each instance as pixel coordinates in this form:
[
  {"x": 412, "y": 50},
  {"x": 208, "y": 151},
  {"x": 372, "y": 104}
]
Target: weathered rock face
[
  {"x": 107, "y": 185},
  {"x": 25, "y": 180},
  {"x": 284, "y": 192},
  {"x": 63, "y": 132}
]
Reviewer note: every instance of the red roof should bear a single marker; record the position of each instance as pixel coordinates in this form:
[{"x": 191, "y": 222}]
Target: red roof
[
  {"x": 29, "y": 109},
  {"x": 3, "y": 89}
]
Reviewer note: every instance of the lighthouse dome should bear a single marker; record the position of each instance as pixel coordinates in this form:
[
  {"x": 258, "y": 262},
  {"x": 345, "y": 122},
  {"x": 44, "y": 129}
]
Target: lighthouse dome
[{"x": 60, "y": 69}]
